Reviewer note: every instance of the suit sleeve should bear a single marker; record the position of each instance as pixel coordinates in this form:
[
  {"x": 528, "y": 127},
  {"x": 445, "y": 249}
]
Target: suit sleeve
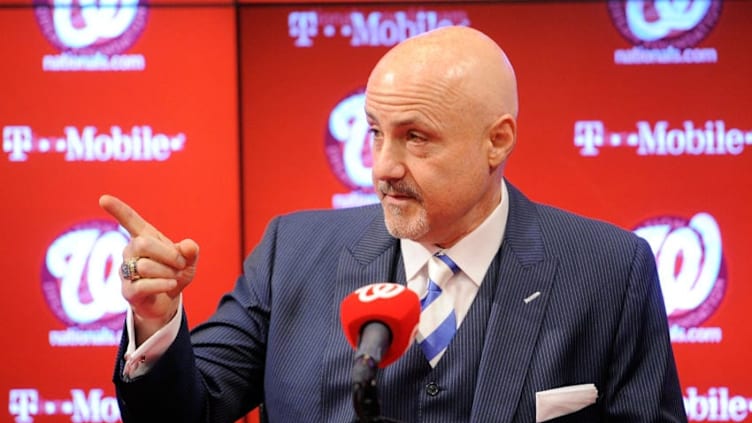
[
  {"x": 643, "y": 381},
  {"x": 170, "y": 391},
  {"x": 213, "y": 374}
]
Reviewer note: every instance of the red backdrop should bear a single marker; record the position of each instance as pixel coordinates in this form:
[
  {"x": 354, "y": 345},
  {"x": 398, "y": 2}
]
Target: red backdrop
[{"x": 251, "y": 110}]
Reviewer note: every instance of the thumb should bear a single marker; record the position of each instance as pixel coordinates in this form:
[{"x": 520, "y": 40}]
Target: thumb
[{"x": 188, "y": 248}]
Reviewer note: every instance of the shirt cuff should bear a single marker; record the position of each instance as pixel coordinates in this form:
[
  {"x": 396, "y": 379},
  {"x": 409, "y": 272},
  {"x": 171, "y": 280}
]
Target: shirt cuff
[{"x": 138, "y": 361}]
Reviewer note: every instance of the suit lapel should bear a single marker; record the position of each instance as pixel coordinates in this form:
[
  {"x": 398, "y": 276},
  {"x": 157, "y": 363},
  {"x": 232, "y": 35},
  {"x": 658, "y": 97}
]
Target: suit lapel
[
  {"x": 524, "y": 283},
  {"x": 372, "y": 259}
]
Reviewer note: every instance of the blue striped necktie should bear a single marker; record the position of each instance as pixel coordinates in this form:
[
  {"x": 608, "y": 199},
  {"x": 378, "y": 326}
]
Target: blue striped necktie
[{"x": 438, "y": 322}]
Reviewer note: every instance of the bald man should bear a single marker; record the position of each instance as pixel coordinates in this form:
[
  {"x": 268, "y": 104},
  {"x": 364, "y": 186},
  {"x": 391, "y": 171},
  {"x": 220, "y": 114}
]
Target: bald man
[{"x": 544, "y": 316}]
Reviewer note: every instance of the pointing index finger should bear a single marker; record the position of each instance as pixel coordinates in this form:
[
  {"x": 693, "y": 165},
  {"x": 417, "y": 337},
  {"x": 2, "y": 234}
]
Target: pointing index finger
[{"x": 129, "y": 218}]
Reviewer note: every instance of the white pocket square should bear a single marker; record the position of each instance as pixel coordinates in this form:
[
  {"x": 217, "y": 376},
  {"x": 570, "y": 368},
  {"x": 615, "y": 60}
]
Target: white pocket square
[{"x": 558, "y": 402}]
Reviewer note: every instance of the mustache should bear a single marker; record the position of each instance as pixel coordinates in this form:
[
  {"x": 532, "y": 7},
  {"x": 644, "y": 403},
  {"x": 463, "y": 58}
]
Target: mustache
[{"x": 400, "y": 188}]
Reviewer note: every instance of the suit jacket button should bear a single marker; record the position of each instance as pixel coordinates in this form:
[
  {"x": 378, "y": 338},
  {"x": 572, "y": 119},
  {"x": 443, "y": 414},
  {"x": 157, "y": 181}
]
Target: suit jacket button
[{"x": 432, "y": 389}]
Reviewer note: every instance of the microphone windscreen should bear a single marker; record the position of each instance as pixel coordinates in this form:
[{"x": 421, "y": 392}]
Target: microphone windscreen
[{"x": 389, "y": 303}]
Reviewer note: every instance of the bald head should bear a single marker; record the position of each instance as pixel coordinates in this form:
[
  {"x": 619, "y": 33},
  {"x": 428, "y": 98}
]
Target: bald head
[
  {"x": 472, "y": 68},
  {"x": 441, "y": 112}
]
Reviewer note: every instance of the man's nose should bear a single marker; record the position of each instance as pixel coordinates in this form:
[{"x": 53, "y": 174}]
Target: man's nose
[{"x": 388, "y": 161}]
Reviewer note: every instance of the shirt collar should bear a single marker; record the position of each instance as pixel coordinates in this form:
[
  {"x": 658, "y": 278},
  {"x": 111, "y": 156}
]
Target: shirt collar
[{"x": 473, "y": 253}]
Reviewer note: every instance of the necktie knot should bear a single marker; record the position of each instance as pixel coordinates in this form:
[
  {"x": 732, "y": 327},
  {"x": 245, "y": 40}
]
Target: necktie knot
[{"x": 441, "y": 268}]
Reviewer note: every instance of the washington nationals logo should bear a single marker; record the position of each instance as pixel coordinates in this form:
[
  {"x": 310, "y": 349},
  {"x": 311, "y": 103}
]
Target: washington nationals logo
[
  {"x": 690, "y": 263},
  {"x": 662, "y": 23},
  {"x": 91, "y": 26},
  {"x": 348, "y": 150},
  {"x": 347, "y": 146},
  {"x": 379, "y": 291},
  {"x": 79, "y": 277}
]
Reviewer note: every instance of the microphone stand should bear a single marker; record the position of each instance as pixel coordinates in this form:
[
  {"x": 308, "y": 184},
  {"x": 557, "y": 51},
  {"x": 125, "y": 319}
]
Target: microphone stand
[{"x": 365, "y": 391}]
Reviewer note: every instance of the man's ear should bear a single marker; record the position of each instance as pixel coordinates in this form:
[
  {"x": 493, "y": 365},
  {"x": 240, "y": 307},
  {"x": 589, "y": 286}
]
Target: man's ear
[{"x": 502, "y": 136}]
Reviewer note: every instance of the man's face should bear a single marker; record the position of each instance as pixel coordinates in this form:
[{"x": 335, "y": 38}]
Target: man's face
[{"x": 430, "y": 159}]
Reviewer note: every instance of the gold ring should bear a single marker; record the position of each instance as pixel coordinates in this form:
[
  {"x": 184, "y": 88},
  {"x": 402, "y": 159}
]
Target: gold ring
[{"x": 128, "y": 269}]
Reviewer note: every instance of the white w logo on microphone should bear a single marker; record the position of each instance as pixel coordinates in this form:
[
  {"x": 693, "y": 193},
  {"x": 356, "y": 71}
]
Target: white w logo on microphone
[{"x": 379, "y": 291}]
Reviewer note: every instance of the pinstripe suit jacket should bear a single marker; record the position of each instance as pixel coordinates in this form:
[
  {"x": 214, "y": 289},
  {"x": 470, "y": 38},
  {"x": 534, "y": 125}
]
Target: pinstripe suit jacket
[{"x": 276, "y": 338}]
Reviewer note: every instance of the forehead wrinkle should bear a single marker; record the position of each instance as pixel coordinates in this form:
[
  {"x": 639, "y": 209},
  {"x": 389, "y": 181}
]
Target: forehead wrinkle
[{"x": 429, "y": 101}]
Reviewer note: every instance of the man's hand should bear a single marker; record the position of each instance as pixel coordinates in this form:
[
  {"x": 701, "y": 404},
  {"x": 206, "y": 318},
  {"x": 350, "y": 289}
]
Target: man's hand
[{"x": 163, "y": 269}]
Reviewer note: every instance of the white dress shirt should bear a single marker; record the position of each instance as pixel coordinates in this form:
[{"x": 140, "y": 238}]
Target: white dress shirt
[{"x": 473, "y": 254}]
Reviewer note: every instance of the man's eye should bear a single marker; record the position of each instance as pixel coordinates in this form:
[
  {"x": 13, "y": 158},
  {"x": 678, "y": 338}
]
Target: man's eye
[{"x": 414, "y": 136}]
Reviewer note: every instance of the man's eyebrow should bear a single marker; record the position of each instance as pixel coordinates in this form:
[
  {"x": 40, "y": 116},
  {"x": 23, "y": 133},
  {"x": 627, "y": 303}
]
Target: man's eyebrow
[{"x": 407, "y": 121}]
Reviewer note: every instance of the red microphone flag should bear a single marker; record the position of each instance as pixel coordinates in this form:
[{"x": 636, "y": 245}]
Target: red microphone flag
[{"x": 389, "y": 303}]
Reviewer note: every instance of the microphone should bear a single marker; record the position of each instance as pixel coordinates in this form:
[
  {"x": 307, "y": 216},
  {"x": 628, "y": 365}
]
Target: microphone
[
  {"x": 381, "y": 318},
  {"x": 380, "y": 321}
]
